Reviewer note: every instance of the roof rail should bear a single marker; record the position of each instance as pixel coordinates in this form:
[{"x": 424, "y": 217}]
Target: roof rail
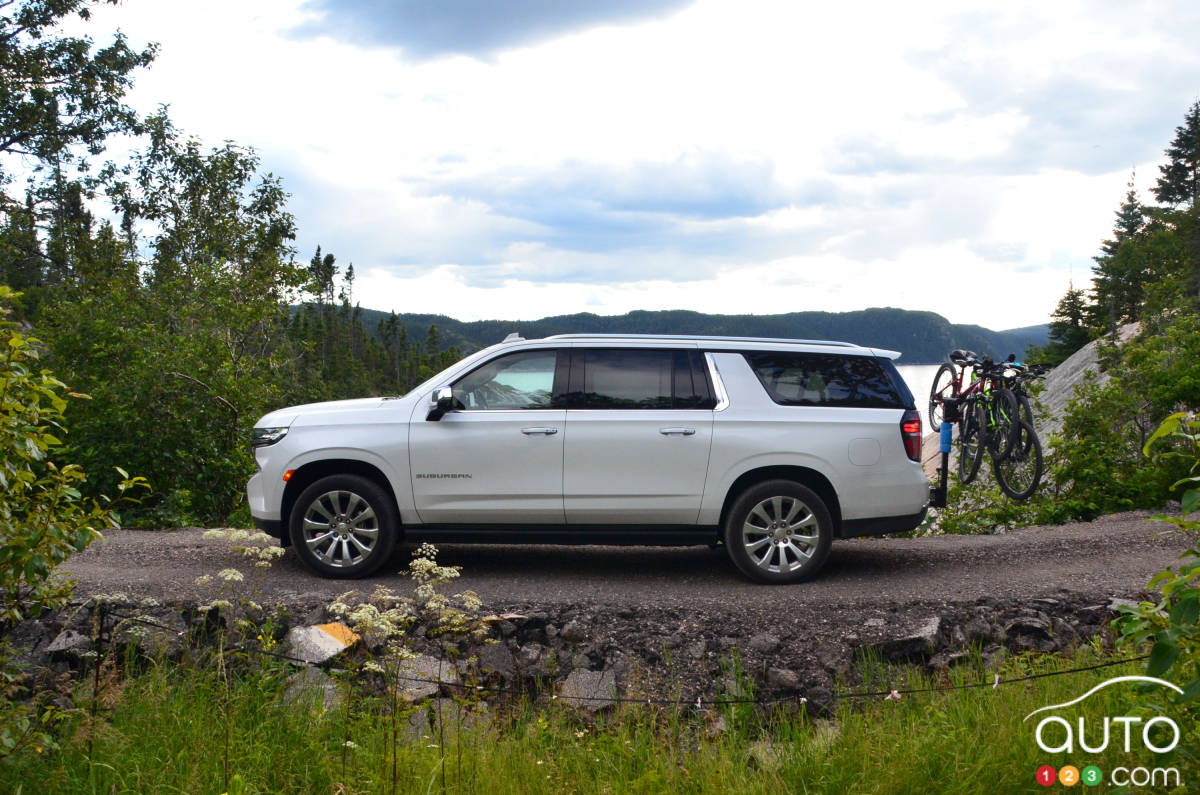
[{"x": 702, "y": 338}]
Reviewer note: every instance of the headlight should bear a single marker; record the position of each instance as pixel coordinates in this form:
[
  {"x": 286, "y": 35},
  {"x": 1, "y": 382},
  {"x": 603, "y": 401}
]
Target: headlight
[{"x": 265, "y": 436}]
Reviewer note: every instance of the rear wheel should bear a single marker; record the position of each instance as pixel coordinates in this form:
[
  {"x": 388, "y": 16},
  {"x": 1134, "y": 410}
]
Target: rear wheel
[
  {"x": 1020, "y": 473},
  {"x": 343, "y": 526},
  {"x": 779, "y": 532},
  {"x": 945, "y": 385}
]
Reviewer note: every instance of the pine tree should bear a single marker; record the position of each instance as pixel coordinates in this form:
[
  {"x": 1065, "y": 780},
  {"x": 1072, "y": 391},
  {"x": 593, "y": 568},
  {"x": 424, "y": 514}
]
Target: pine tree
[
  {"x": 1131, "y": 220},
  {"x": 1068, "y": 326},
  {"x": 1179, "y": 182}
]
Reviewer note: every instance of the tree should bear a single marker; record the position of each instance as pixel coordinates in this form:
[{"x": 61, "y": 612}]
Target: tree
[
  {"x": 1068, "y": 327},
  {"x": 188, "y": 346},
  {"x": 60, "y": 100},
  {"x": 1179, "y": 180}
]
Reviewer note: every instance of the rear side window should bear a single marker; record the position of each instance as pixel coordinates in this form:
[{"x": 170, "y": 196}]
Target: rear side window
[
  {"x": 614, "y": 378},
  {"x": 820, "y": 379}
]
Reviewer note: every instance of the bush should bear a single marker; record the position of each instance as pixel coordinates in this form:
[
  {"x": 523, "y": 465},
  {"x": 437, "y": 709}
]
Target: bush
[
  {"x": 43, "y": 517},
  {"x": 1172, "y": 625}
]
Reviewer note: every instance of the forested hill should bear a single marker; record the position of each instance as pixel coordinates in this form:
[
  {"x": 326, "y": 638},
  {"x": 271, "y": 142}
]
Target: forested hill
[{"x": 922, "y": 337}]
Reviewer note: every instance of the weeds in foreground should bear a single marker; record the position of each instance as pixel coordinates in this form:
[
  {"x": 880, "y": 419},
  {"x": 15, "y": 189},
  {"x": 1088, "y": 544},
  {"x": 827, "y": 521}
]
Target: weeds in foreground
[{"x": 159, "y": 737}]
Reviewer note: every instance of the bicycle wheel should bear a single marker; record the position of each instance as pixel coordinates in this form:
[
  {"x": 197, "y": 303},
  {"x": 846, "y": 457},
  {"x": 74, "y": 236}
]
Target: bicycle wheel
[
  {"x": 1002, "y": 422},
  {"x": 970, "y": 445},
  {"x": 1024, "y": 407},
  {"x": 1021, "y": 472},
  {"x": 945, "y": 385}
]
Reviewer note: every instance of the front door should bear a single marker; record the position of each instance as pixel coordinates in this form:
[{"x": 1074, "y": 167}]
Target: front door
[{"x": 497, "y": 458}]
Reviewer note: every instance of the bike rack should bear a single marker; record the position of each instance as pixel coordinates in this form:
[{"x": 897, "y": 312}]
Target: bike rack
[{"x": 950, "y": 415}]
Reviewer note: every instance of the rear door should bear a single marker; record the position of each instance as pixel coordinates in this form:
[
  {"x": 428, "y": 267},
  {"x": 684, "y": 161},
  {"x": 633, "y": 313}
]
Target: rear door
[{"x": 639, "y": 428}]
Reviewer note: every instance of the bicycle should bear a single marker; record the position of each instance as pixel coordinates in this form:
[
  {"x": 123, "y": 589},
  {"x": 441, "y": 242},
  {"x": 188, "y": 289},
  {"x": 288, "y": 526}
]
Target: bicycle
[
  {"x": 978, "y": 384},
  {"x": 989, "y": 416}
]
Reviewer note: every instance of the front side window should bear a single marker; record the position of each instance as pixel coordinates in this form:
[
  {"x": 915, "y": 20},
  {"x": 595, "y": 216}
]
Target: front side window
[
  {"x": 817, "y": 379},
  {"x": 517, "y": 381}
]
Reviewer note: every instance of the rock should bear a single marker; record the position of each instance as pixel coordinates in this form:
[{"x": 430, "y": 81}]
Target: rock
[
  {"x": 875, "y": 622},
  {"x": 423, "y": 676},
  {"x": 495, "y": 658},
  {"x": 529, "y": 655},
  {"x": 574, "y": 632},
  {"x": 590, "y": 691},
  {"x": 764, "y": 643},
  {"x": 783, "y": 679},
  {"x": 67, "y": 644},
  {"x": 321, "y": 643},
  {"x": 914, "y": 647},
  {"x": 1030, "y": 632},
  {"x": 1115, "y": 604}
]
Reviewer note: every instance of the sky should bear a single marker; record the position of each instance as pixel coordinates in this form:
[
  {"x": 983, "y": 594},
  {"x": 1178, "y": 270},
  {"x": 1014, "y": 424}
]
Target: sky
[{"x": 520, "y": 159}]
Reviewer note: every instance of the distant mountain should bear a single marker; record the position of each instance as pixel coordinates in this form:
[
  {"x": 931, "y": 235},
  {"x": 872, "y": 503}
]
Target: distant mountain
[{"x": 922, "y": 337}]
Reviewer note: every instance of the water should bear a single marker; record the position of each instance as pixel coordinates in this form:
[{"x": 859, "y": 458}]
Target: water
[{"x": 919, "y": 378}]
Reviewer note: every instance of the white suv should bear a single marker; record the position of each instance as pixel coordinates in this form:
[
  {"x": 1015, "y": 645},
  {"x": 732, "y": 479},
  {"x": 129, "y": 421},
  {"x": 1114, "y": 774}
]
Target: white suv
[{"x": 773, "y": 447}]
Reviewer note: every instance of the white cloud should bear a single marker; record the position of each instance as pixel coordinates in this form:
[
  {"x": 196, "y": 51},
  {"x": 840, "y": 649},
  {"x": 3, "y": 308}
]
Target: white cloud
[{"x": 748, "y": 156}]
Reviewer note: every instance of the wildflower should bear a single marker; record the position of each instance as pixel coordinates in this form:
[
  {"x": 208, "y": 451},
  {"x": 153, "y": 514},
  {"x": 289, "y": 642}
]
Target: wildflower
[
  {"x": 579, "y": 735},
  {"x": 893, "y": 696},
  {"x": 204, "y": 580},
  {"x": 350, "y": 744},
  {"x": 230, "y": 575},
  {"x": 540, "y": 762},
  {"x": 213, "y": 535}
]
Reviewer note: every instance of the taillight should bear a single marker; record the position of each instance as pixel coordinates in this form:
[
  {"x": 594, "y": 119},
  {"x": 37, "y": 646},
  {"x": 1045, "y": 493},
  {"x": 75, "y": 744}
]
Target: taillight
[{"x": 910, "y": 433}]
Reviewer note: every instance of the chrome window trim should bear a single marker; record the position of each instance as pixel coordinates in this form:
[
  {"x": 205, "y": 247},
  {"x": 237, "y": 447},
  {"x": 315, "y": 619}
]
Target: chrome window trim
[{"x": 718, "y": 385}]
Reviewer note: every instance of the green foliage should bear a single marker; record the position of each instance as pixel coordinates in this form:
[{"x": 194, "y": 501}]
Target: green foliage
[
  {"x": 1068, "y": 330},
  {"x": 159, "y": 737},
  {"x": 60, "y": 100},
  {"x": 187, "y": 347},
  {"x": 1171, "y": 626},
  {"x": 44, "y": 518},
  {"x": 1179, "y": 177}
]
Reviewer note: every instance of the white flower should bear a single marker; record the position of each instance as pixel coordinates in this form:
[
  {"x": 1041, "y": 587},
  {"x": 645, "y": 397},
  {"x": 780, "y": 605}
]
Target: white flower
[
  {"x": 230, "y": 575},
  {"x": 204, "y": 580}
]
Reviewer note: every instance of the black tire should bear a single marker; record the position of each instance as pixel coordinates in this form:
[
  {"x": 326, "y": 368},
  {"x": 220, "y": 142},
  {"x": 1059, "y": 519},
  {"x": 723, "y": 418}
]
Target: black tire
[
  {"x": 1024, "y": 408},
  {"x": 945, "y": 385},
  {"x": 343, "y": 526},
  {"x": 1020, "y": 473},
  {"x": 1002, "y": 422},
  {"x": 971, "y": 445},
  {"x": 785, "y": 521}
]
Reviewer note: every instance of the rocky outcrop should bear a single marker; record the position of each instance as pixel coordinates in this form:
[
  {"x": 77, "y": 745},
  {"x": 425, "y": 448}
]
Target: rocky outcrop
[
  {"x": 1063, "y": 380},
  {"x": 588, "y": 656}
]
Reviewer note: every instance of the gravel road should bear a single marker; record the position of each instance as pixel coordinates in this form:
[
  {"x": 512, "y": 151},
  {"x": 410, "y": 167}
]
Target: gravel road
[{"x": 1111, "y": 556}]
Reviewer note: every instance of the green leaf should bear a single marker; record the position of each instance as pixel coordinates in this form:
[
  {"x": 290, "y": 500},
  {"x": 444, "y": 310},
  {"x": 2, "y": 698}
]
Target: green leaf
[
  {"x": 1162, "y": 656},
  {"x": 1190, "y": 691},
  {"x": 1187, "y": 610},
  {"x": 1190, "y": 501}
]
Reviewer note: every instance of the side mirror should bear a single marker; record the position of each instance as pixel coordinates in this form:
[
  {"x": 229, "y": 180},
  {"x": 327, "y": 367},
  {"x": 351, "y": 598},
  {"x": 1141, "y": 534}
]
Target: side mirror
[{"x": 443, "y": 400}]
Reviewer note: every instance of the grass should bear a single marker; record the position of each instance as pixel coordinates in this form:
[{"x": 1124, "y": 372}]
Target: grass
[{"x": 164, "y": 733}]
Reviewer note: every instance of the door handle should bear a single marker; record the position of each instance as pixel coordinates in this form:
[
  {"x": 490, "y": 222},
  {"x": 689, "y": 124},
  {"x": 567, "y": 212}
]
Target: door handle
[
  {"x": 677, "y": 431},
  {"x": 543, "y": 431}
]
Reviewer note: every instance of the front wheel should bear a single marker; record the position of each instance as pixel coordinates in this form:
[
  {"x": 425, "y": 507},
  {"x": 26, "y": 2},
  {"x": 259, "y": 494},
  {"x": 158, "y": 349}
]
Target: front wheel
[
  {"x": 779, "y": 532},
  {"x": 970, "y": 444},
  {"x": 343, "y": 526}
]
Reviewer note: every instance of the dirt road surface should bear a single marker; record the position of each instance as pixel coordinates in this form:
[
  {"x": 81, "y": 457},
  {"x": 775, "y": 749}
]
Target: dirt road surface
[{"x": 1113, "y": 556}]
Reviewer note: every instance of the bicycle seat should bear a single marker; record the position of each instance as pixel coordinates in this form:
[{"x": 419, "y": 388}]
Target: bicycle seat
[{"x": 960, "y": 356}]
